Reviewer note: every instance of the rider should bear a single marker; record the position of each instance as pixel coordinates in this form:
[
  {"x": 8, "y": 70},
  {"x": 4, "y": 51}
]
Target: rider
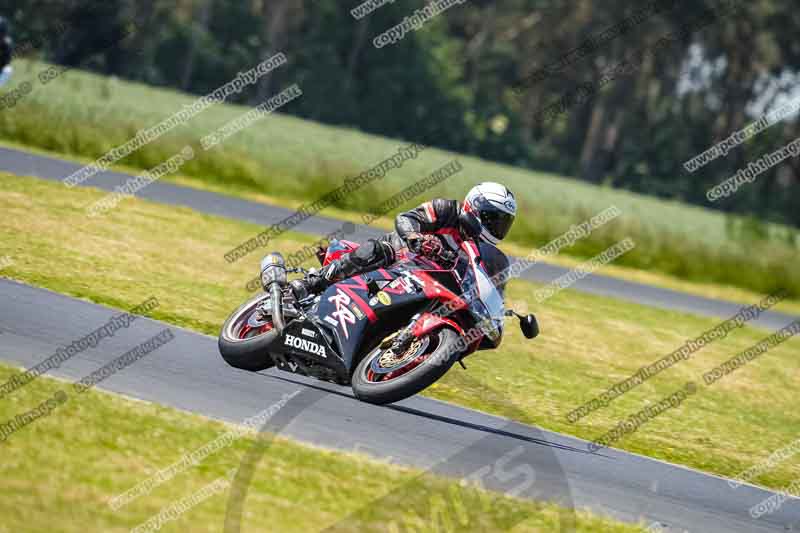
[
  {"x": 428, "y": 228},
  {"x": 6, "y": 48}
]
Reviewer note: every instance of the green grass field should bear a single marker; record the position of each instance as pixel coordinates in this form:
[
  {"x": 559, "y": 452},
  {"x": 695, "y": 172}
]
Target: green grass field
[
  {"x": 62, "y": 470},
  {"x": 386, "y": 222},
  {"x": 587, "y": 344},
  {"x": 85, "y": 115}
]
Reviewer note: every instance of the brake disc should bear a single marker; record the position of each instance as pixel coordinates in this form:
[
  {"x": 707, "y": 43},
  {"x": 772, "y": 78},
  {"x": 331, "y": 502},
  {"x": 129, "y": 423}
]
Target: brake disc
[{"x": 389, "y": 361}]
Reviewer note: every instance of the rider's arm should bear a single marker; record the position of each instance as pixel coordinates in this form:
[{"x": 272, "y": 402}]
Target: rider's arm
[{"x": 429, "y": 217}]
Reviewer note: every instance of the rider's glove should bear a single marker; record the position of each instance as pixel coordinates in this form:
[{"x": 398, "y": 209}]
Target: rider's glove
[
  {"x": 424, "y": 243},
  {"x": 414, "y": 241},
  {"x": 432, "y": 247}
]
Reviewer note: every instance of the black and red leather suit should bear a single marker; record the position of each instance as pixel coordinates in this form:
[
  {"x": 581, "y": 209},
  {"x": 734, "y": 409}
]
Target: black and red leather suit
[{"x": 439, "y": 217}]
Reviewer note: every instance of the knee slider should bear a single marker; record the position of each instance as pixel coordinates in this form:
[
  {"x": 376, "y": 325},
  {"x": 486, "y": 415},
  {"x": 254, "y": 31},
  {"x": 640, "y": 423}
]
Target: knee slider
[
  {"x": 388, "y": 253},
  {"x": 365, "y": 255},
  {"x": 373, "y": 253}
]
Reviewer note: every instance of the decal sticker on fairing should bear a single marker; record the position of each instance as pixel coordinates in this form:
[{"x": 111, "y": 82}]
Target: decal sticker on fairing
[
  {"x": 413, "y": 279},
  {"x": 343, "y": 315},
  {"x": 305, "y": 345},
  {"x": 402, "y": 283}
]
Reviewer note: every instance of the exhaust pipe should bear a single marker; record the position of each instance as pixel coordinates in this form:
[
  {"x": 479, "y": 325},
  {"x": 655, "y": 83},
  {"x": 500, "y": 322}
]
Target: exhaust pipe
[{"x": 273, "y": 279}]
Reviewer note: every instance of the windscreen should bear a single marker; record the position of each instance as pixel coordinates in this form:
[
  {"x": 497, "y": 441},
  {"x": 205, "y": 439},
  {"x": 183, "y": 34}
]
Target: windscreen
[{"x": 485, "y": 301}]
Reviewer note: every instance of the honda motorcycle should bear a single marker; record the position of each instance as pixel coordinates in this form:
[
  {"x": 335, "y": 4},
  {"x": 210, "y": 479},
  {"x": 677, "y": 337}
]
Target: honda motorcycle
[{"x": 388, "y": 334}]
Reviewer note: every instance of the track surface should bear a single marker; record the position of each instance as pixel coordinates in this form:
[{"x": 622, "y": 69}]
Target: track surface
[
  {"x": 189, "y": 374},
  {"x": 26, "y": 164}
]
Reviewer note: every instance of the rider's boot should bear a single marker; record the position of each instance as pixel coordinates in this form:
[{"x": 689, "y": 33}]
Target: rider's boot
[
  {"x": 369, "y": 256},
  {"x": 317, "y": 282}
]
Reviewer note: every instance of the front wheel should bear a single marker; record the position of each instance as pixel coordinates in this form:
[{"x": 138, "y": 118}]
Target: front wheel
[
  {"x": 246, "y": 336},
  {"x": 384, "y": 377}
]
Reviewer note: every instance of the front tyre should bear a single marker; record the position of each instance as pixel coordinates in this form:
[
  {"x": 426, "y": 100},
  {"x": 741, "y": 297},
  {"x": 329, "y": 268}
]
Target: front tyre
[
  {"x": 384, "y": 377},
  {"x": 246, "y": 336}
]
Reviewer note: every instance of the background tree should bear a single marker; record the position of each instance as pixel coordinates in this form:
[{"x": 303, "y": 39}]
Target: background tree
[{"x": 452, "y": 84}]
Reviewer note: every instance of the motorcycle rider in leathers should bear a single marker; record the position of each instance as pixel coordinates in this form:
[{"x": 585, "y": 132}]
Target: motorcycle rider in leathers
[{"x": 433, "y": 228}]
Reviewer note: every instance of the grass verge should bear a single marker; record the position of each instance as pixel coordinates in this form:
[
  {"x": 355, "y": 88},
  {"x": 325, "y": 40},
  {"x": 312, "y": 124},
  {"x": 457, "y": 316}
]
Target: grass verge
[
  {"x": 87, "y": 115},
  {"x": 386, "y": 222},
  {"x": 64, "y": 468},
  {"x": 588, "y": 343}
]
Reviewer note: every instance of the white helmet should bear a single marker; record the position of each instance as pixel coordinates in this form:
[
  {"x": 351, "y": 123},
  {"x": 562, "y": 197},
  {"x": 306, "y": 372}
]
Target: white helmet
[{"x": 494, "y": 205}]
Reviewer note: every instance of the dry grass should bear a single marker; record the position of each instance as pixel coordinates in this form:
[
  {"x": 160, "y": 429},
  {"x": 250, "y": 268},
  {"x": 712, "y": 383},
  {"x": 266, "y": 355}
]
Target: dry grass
[
  {"x": 61, "y": 471},
  {"x": 86, "y": 115},
  {"x": 588, "y": 343}
]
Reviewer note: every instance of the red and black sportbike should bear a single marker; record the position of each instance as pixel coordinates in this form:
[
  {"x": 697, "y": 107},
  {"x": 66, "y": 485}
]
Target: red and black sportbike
[{"x": 389, "y": 333}]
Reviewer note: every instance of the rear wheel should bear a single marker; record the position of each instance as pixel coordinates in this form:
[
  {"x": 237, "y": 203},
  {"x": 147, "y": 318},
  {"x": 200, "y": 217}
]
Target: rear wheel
[
  {"x": 247, "y": 334},
  {"x": 385, "y": 377}
]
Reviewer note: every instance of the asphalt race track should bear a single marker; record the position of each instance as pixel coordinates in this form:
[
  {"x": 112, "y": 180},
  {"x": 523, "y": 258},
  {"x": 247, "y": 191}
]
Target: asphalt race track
[
  {"x": 26, "y": 164},
  {"x": 189, "y": 374}
]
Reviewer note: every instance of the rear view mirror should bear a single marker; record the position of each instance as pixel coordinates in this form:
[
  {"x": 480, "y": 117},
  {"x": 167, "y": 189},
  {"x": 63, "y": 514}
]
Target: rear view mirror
[{"x": 529, "y": 326}]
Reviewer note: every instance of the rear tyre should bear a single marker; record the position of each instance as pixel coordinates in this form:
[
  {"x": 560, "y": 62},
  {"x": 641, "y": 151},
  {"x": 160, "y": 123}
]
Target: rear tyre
[
  {"x": 246, "y": 337},
  {"x": 382, "y": 377}
]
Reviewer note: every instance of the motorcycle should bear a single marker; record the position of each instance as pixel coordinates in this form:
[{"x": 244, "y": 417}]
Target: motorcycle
[{"x": 388, "y": 334}]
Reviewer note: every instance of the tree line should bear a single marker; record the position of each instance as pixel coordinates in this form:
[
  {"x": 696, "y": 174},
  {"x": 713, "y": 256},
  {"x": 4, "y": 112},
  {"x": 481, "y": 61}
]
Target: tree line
[{"x": 617, "y": 93}]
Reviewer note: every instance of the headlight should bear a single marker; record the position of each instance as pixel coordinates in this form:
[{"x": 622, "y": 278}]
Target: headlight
[
  {"x": 491, "y": 327},
  {"x": 273, "y": 270}
]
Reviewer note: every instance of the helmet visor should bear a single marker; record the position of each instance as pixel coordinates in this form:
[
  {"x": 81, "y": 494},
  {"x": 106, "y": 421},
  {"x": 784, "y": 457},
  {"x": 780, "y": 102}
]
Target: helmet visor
[{"x": 497, "y": 222}]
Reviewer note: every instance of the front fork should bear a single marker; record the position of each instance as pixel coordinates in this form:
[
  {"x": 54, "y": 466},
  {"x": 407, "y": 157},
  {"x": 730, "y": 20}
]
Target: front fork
[{"x": 421, "y": 325}]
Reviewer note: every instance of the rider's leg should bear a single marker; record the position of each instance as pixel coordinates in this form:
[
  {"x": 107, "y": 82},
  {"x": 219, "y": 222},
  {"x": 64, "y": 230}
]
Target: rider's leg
[{"x": 371, "y": 255}]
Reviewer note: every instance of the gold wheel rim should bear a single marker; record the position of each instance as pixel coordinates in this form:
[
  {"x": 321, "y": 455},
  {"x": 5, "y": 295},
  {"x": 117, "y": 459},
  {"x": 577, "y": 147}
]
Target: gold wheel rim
[{"x": 389, "y": 359}]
